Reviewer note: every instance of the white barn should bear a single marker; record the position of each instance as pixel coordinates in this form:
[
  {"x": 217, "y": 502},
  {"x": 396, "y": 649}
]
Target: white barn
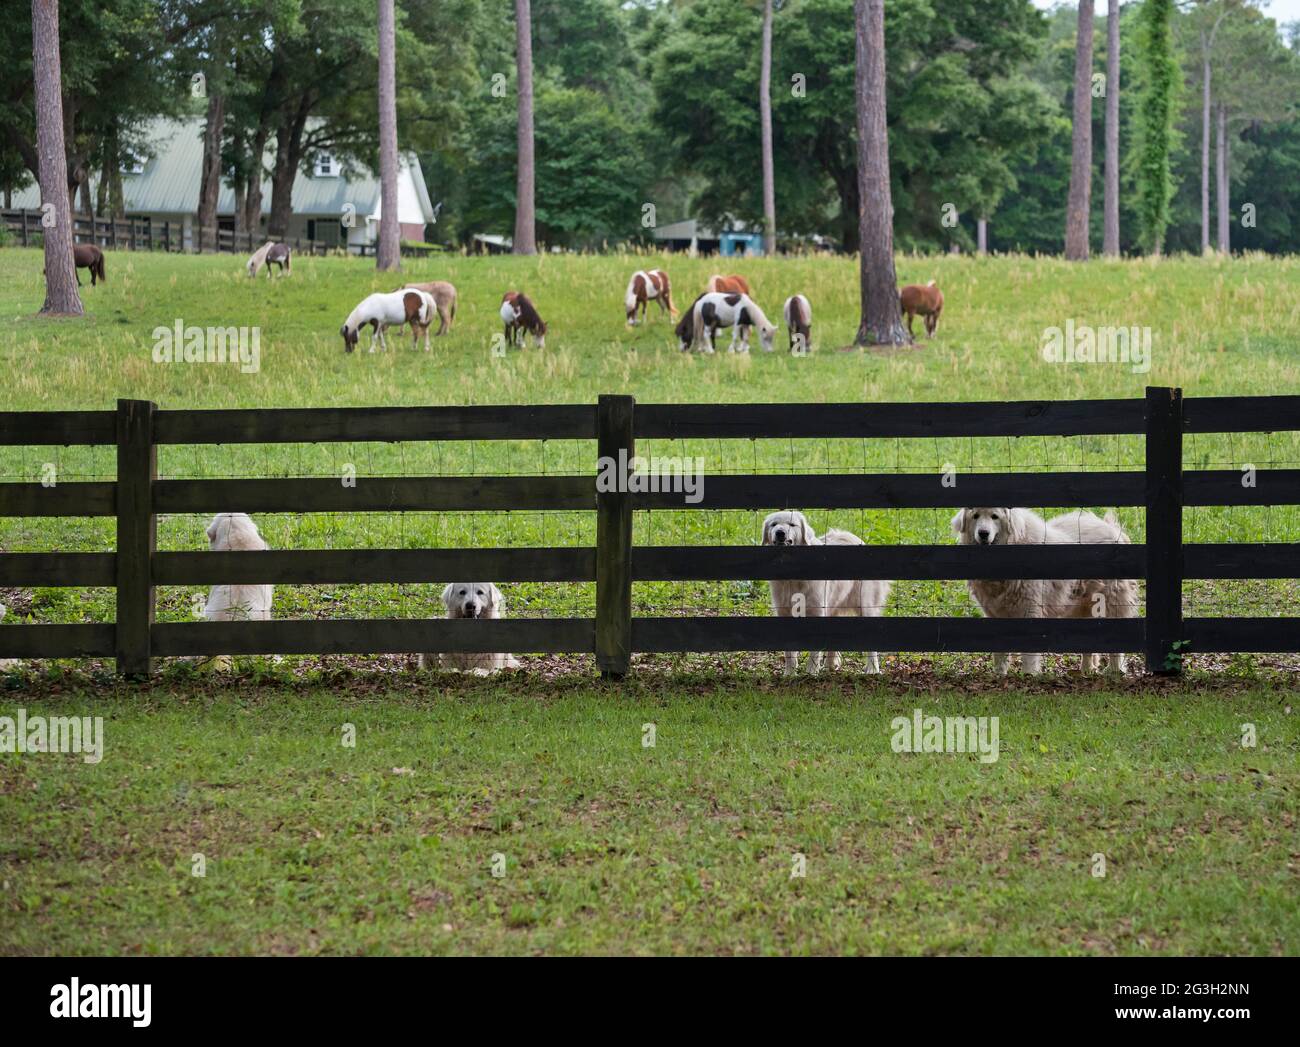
[{"x": 329, "y": 204}]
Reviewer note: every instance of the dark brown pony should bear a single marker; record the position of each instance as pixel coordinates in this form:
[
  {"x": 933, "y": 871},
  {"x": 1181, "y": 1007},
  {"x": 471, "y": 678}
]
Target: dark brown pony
[
  {"x": 729, "y": 284},
  {"x": 88, "y": 256},
  {"x": 520, "y": 316}
]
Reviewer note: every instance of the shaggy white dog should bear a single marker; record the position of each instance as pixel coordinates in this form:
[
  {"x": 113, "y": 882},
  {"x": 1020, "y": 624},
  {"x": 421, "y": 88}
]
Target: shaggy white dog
[
  {"x": 472, "y": 600},
  {"x": 820, "y": 599},
  {"x": 236, "y": 532},
  {"x": 1047, "y": 597}
]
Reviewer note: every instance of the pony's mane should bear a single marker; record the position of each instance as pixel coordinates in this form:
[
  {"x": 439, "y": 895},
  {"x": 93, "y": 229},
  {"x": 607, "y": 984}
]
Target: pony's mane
[
  {"x": 528, "y": 314},
  {"x": 763, "y": 321}
]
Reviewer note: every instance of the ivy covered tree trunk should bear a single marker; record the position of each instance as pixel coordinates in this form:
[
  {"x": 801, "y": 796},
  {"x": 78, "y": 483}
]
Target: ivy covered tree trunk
[
  {"x": 1110, "y": 200},
  {"x": 389, "y": 255},
  {"x": 1077, "y": 212},
  {"x": 61, "y": 297},
  {"x": 1156, "y": 120},
  {"x": 882, "y": 322},
  {"x": 765, "y": 114},
  {"x": 525, "y": 207}
]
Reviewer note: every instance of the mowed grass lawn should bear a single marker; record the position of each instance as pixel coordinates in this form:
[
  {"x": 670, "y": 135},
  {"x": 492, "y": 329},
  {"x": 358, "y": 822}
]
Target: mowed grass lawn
[{"x": 606, "y": 844}]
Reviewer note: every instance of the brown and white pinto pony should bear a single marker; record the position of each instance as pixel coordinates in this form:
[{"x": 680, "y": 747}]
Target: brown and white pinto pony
[
  {"x": 520, "y": 316},
  {"x": 797, "y": 312},
  {"x": 88, "y": 256},
  {"x": 728, "y": 285},
  {"x": 644, "y": 286}
]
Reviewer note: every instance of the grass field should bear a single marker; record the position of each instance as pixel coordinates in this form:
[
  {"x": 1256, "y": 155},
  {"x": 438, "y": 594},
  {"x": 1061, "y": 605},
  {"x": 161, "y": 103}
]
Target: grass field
[{"x": 609, "y": 846}]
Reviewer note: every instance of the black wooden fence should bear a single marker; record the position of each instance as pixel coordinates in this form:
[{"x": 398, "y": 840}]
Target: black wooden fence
[{"x": 1163, "y": 488}]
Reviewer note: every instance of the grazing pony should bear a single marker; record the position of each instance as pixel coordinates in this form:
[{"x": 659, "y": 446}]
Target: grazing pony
[
  {"x": 444, "y": 299},
  {"x": 642, "y": 288},
  {"x": 88, "y": 256},
  {"x": 269, "y": 254},
  {"x": 797, "y": 312},
  {"x": 737, "y": 311},
  {"x": 382, "y": 311},
  {"x": 729, "y": 284},
  {"x": 520, "y": 315},
  {"x": 926, "y": 302}
]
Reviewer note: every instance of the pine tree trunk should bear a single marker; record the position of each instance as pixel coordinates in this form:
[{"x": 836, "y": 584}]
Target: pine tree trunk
[
  {"x": 765, "y": 112},
  {"x": 882, "y": 323},
  {"x": 210, "y": 171},
  {"x": 1205, "y": 149},
  {"x": 1110, "y": 203},
  {"x": 1221, "y": 173},
  {"x": 1077, "y": 212},
  {"x": 982, "y": 235},
  {"x": 61, "y": 297},
  {"x": 525, "y": 241},
  {"x": 389, "y": 254}
]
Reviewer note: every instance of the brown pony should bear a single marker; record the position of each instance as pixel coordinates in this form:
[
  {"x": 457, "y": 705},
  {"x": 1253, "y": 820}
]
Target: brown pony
[
  {"x": 645, "y": 285},
  {"x": 926, "y": 302},
  {"x": 520, "y": 315},
  {"x": 728, "y": 284},
  {"x": 88, "y": 256}
]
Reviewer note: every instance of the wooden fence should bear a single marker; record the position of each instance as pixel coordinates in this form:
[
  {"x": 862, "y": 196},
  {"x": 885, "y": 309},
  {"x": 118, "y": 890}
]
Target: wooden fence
[
  {"x": 144, "y": 234},
  {"x": 1163, "y": 488}
]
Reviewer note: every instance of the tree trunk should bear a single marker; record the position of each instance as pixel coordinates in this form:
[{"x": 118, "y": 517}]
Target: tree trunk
[
  {"x": 1076, "y": 215},
  {"x": 882, "y": 323},
  {"x": 765, "y": 114},
  {"x": 982, "y": 235},
  {"x": 1110, "y": 202},
  {"x": 61, "y": 297},
  {"x": 253, "y": 201},
  {"x": 1205, "y": 148},
  {"x": 525, "y": 207},
  {"x": 288, "y": 158},
  {"x": 210, "y": 172},
  {"x": 1221, "y": 178},
  {"x": 389, "y": 255}
]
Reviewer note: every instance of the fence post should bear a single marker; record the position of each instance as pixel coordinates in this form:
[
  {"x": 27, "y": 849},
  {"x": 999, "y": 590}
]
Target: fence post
[
  {"x": 614, "y": 443},
  {"x": 137, "y": 468},
  {"x": 24, "y": 227},
  {"x": 1164, "y": 549}
]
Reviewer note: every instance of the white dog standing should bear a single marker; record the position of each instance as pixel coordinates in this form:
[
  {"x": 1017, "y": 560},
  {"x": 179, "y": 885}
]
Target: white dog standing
[
  {"x": 230, "y": 533},
  {"x": 1047, "y": 597},
  {"x": 821, "y": 599},
  {"x": 472, "y": 600}
]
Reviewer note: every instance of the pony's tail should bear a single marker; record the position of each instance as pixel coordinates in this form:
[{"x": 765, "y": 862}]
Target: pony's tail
[
  {"x": 288, "y": 261},
  {"x": 930, "y": 284},
  {"x": 699, "y": 324},
  {"x": 99, "y": 268},
  {"x": 668, "y": 297}
]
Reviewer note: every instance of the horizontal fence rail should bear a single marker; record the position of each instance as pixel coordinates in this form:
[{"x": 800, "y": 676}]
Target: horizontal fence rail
[{"x": 614, "y": 563}]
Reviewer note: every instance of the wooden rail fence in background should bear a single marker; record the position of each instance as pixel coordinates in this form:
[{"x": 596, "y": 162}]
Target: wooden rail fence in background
[{"x": 139, "y": 494}]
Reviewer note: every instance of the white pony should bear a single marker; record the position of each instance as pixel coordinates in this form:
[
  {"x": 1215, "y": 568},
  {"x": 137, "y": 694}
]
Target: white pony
[
  {"x": 382, "y": 311},
  {"x": 737, "y": 311}
]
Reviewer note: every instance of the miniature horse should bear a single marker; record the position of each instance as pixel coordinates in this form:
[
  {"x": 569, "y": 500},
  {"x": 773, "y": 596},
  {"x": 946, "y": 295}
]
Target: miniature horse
[
  {"x": 729, "y": 284},
  {"x": 520, "y": 315},
  {"x": 644, "y": 286},
  {"x": 926, "y": 302},
  {"x": 797, "y": 312},
  {"x": 88, "y": 256},
  {"x": 737, "y": 311},
  {"x": 269, "y": 254},
  {"x": 381, "y": 311}
]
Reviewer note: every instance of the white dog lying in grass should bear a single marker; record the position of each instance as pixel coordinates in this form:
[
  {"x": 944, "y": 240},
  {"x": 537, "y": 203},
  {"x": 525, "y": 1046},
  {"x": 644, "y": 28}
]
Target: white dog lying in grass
[
  {"x": 472, "y": 600},
  {"x": 821, "y": 599},
  {"x": 236, "y": 532},
  {"x": 1047, "y": 597}
]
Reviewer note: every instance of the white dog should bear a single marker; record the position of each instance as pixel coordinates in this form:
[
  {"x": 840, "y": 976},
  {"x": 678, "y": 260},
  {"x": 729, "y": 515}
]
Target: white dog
[
  {"x": 472, "y": 600},
  {"x": 229, "y": 533},
  {"x": 6, "y": 663},
  {"x": 821, "y": 599},
  {"x": 1047, "y": 597}
]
